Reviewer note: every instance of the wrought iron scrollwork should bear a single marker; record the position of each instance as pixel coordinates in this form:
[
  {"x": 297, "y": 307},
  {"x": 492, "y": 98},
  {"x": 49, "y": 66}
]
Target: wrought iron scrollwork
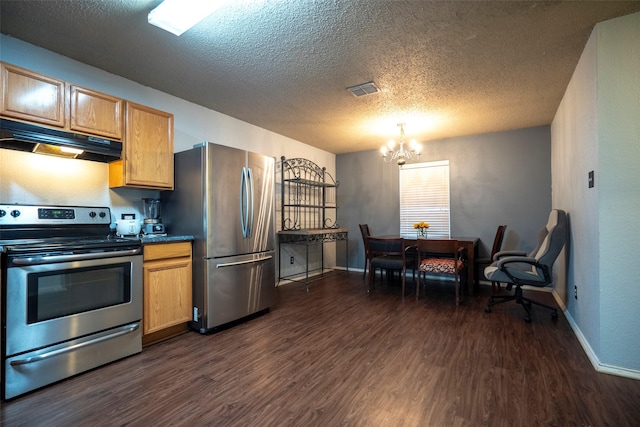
[{"x": 308, "y": 196}]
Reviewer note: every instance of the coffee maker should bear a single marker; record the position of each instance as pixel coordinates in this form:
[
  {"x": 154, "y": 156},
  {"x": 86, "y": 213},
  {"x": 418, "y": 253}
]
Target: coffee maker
[{"x": 152, "y": 212}]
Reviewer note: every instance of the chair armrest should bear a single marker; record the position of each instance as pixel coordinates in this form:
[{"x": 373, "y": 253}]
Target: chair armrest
[
  {"x": 516, "y": 259},
  {"x": 546, "y": 273},
  {"x": 503, "y": 254}
]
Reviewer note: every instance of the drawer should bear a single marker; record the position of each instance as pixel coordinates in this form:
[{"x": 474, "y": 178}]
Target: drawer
[{"x": 166, "y": 250}]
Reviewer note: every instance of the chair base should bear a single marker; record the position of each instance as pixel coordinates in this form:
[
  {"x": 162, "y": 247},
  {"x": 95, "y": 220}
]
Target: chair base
[{"x": 522, "y": 300}]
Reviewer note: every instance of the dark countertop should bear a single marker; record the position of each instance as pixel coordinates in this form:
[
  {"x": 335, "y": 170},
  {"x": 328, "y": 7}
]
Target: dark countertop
[
  {"x": 169, "y": 238},
  {"x": 146, "y": 239}
]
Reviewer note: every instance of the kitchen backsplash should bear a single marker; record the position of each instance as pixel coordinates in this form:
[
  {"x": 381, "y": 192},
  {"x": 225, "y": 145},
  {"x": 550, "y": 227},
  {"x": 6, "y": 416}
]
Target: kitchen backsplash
[{"x": 38, "y": 179}]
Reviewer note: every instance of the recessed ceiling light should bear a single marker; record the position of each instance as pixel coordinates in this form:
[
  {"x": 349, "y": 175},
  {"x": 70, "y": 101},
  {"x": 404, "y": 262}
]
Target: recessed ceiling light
[
  {"x": 363, "y": 89},
  {"x": 177, "y": 16}
]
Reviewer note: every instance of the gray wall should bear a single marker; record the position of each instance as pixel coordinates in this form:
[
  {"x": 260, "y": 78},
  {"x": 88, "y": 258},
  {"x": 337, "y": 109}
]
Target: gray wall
[
  {"x": 498, "y": 178},
  {"x": 596, "y": 128}
]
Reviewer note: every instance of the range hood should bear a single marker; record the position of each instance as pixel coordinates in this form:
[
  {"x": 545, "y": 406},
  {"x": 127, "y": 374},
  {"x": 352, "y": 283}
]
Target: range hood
[{"x": 37, "y": 139}]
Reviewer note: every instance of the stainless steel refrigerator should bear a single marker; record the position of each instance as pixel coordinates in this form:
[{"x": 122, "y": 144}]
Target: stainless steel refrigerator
[{"x": 225, "y": 198}]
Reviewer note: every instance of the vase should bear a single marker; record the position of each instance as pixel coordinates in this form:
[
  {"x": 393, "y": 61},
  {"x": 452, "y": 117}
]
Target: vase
[{"x": 422, "y": 233}]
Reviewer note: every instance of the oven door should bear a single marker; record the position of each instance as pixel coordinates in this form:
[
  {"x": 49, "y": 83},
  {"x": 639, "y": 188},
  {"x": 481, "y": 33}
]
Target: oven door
[{"x": 53, "y": 302}]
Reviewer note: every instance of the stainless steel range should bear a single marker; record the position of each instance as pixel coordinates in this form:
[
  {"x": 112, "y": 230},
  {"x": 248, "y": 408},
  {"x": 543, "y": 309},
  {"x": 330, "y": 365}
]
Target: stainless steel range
[{"x": 71, "y": 294}]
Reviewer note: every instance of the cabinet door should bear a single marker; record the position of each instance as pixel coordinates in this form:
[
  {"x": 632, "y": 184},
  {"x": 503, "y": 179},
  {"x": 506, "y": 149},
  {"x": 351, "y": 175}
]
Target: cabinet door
[
  {"x": 167, "y": 293},
  {"x": 32, "y": 97},
  {"x": 148, "y": 147},
  {"x": 96, "y": 113}
]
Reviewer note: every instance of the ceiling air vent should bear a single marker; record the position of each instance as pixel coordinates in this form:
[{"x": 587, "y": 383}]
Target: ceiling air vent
[{"x": 363, "y": 89}]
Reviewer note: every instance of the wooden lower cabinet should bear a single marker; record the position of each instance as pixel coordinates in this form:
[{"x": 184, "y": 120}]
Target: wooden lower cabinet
[{"x": 167, "y": 289}]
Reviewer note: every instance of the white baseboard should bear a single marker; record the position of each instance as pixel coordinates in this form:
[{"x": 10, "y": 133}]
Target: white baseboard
[{"x": 593, "y": 358}]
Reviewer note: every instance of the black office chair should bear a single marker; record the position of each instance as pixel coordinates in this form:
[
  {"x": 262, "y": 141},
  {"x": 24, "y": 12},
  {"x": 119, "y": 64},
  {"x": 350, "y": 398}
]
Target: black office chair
[
  {"x": 517, "y": 268},
  {"x": 483, "y": 262}
]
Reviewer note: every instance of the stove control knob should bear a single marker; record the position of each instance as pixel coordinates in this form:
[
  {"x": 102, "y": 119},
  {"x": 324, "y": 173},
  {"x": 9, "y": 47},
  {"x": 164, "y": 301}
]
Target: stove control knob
[
  {"x": 102, "y": 214},
  {"x": 2, "y": 213},
  {"x": 15, "y": 213},
  {"x": 92, "y": 214}
]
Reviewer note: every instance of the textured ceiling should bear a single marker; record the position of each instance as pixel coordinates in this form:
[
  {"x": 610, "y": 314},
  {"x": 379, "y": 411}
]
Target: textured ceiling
[{"x": 446, "y": 68}]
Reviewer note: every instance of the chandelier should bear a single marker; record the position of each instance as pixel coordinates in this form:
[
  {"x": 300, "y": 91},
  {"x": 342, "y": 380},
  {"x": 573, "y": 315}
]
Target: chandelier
[{"x": 402, "y": 154}]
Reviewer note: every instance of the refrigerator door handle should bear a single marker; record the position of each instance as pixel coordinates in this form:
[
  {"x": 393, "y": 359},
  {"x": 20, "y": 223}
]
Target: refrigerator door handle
[
  {"x": 244, "y": 202},
  {"x": 248, "y": 261},
  {"x": 251, "y": 200}
]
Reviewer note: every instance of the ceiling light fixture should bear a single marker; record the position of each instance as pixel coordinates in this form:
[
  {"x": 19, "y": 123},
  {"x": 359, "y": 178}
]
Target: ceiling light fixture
[
  {"x": 177, "y": 16},
  {"x": 402, "y": 154}
]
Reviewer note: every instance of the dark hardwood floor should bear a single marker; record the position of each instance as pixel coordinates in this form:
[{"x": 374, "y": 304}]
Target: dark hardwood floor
[{"x": 339, "y": 356}]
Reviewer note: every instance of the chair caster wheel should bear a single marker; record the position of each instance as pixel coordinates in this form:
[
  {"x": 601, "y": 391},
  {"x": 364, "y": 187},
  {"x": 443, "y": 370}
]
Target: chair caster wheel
[
  {"x": 554, "y": 315},
  {"x": 527, "y": 319},
  {"x": 487, "y": 309}
]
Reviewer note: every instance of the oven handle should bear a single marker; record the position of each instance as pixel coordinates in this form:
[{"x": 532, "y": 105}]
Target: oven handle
[
  {"x": 126, "y": 329},
  {"x": 73, "y": 257}
]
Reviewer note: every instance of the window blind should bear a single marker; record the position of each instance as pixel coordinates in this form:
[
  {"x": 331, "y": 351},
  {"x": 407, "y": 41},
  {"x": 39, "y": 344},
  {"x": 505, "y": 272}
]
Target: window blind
[{"x": 424, "y": 196}]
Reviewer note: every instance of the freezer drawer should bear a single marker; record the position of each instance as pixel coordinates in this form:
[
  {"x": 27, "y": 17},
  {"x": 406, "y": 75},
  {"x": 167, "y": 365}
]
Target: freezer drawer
[{"x": 237, "y": 287}]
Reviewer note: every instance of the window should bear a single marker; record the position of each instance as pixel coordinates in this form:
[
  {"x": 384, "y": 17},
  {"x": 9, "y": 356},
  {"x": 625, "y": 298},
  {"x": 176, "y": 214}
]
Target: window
[{"x": 424, "y": 196}]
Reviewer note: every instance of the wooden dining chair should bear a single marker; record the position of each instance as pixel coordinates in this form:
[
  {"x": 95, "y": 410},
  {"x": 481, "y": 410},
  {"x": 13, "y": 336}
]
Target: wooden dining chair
[
  {"x": 480, "y": 263},
  {"x": 440, "y": 257},
  {"x": 388, "y": 254},
  {"x": 364, "y": 230}
]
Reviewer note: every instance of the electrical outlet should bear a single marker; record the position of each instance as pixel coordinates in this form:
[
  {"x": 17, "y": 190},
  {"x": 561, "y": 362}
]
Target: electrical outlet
[
  {"x": 291, "y": 260},
  {"x": 575, "y": 291}
]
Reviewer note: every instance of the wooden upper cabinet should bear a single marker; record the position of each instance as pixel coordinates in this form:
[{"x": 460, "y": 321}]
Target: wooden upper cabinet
[
  {"x": 40, "y": 99},
  {"x": 32, "y": 97},
  {"x": 96, "y": 113},
  {"x": 147, "y": 160}
]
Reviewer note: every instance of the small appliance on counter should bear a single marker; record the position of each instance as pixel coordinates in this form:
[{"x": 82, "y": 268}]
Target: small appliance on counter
[
  {"x": 152, "y": 213},
  {"x": 127, "y": 225}
]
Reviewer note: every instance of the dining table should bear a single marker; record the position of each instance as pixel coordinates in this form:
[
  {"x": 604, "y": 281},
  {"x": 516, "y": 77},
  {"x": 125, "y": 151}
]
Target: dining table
[{"x": 470, "y": 245}]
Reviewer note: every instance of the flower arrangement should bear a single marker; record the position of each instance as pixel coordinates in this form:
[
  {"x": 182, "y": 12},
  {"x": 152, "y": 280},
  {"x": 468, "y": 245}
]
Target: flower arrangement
[{"x": 421, "y": 227}]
